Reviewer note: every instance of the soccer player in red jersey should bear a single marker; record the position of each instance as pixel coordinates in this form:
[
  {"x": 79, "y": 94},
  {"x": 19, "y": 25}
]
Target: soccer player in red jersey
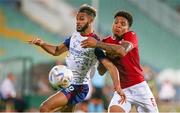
[{"x": 122, "y": 50}]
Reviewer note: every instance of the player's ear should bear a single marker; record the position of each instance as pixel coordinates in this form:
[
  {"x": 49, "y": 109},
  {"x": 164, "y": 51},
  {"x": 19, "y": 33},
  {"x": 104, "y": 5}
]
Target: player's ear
[
  {"x": 91, "y": 19},
  {"x": 128, "y": 26}
]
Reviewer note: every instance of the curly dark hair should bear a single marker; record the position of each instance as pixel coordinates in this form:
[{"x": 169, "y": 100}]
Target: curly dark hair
[
  {"x": 88, "y": 10},
  {"x": 126, "y": 15}
]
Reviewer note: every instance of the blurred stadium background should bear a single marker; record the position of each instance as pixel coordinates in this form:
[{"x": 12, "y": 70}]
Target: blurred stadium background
[{"x": 156, "y": 22}]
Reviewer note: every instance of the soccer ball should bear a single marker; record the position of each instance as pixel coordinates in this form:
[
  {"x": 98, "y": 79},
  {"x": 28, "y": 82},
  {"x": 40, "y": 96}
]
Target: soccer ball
[{"x": 60, "y": 77}]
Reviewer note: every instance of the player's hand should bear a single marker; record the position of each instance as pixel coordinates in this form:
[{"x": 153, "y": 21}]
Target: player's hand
[
  {"x": 36, "y": 41},
  {"x": 122, "y": 95},
  {"x": 89, "y": 42}
]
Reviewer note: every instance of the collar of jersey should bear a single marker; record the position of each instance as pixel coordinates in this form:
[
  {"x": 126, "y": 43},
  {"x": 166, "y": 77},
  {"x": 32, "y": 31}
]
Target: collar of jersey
[{"x": 90, "y": 35}]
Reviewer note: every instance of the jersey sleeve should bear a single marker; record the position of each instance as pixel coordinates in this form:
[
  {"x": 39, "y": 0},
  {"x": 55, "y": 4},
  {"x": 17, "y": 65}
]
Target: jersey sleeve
[
  {"x": 99, "y": 54},
  {"x": 67, "y": 42},
  {"x": 132, "y": 38}
]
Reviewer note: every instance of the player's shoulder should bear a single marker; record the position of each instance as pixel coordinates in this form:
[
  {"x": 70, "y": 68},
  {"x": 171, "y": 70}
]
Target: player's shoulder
[
  {"x": 130, "y": 33},
  {"x": 95, "y": 36},
  {"x": 75, "y": 34}
]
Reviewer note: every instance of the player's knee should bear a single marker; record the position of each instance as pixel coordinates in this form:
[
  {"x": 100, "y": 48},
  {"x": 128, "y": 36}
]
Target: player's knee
[
  {"x": 116, "y": 108},
  {"x": 44, "y": 107}
]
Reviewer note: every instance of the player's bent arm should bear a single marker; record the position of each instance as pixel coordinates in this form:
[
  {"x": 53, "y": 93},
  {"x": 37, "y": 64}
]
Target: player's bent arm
[
  {"x": 101, "y": 69},
  {"x": 109, "y": 66},
  {"x": 113, "y": 72},
  {"x": 61, "y": 49},
  {"x": 115, "y": 78},
  {"x": 51, "y": 49},
  {"x": 120, "y": 50},
  {"x": 54, "y": 50}
]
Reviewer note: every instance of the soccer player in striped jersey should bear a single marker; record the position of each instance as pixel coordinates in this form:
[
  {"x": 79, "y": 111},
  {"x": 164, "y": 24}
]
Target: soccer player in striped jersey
[{"x": 79, "y": 60}]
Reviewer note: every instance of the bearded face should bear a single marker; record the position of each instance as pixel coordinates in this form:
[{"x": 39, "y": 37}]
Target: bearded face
[
  {"x": 81, "y": 28},
  {"x": 82, "y": 22}
]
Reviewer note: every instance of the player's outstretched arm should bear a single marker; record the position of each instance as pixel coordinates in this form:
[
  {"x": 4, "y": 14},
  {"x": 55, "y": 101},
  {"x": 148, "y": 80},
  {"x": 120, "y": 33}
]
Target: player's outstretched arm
[
  {"x": 51, "y": 49},
  {"x": 115, "y": 78}
]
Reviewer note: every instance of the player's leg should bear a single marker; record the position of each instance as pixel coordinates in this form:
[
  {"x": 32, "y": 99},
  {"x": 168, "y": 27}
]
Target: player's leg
[
  {"x": 147, "y": 107},
  {"x": 54, "y": 103},
  {"x": 116, "y": 106},
  {"x": 144, "y": 100},
  {"x": 68, "y": 108}
]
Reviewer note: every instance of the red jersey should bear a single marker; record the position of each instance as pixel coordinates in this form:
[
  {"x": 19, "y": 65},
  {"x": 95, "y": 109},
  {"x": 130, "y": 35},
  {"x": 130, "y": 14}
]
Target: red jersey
[{"x": 128, "y": 66}]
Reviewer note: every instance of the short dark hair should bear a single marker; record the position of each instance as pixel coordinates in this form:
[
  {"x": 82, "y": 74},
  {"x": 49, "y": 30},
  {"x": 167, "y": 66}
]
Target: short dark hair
[
  {"x": 126, "y": 15},
  {"x": 88, "y": 10}
]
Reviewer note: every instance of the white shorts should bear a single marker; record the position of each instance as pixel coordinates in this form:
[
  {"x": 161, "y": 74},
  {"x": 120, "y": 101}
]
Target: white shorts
[{"x": 139, "y": 96}]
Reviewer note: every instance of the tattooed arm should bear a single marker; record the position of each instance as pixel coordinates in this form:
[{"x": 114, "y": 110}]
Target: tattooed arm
[
  {"x": 111, "y": 49},
  {"x": 114, "y": 49}
]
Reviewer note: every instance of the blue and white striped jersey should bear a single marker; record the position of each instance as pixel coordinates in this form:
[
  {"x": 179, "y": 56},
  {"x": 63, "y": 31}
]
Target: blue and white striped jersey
[{"x": 80, "y": 60}]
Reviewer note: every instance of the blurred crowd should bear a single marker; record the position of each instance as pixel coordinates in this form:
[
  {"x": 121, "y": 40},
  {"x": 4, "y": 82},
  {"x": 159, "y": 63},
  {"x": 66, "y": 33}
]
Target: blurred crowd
[{"x": 10, "y": 100}]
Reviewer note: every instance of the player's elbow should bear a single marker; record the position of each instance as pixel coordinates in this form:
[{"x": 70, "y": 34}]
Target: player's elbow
[
  {"x": 101, "y": 70},
  {"x": 101, "y": 73},
  {"x": 55, "y": 54}
]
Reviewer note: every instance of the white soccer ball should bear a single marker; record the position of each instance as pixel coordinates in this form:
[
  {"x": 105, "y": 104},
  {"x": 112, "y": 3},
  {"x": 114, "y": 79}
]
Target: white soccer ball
[{"x": 60, "y": 76}]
